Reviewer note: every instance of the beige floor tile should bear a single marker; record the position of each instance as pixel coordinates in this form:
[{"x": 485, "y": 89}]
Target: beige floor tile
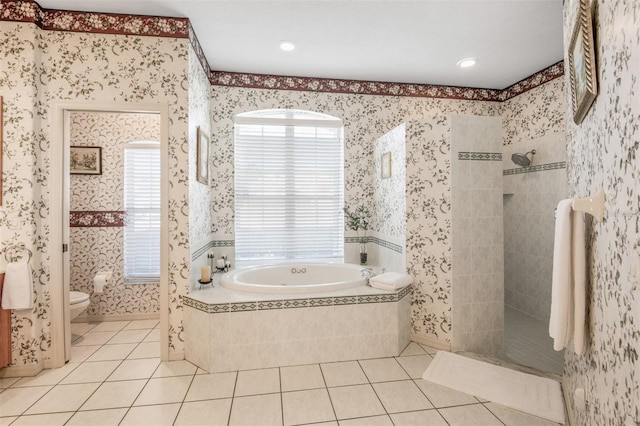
[
  {"x": 142, "y": 324},
  {"x": 301, "y": 377},
  {"x": 383, "y": 370},
  {"x": 63, "y": 398},
  {"x": 368, "y": 421},
  {"x": 343, "y": 373},
  {"x": 114, "y": 395},
  {"x": 110, "y": 417},
  {"x": 153, "y": 336},
  {"x": 6, "y": 421},
  {"x": 112, "y": 352},
  {"x": 131, "y": 369},
  {"x": 415, "y": 365},
  {"x": 212, "y": 386},
  {"x": 81, "y": 353},
  {"x": 15, "y": 401},
  {"x": 441, "y": 396},
  {"x": 398, "y": 397},
  {"x": 430, "y": 350},
  {"x": 82, "y": 327},
  {"x": 54, "y": 419},
  {"x": 512, "y": 417},
  {"x": 256, "y": 382},
  {"x": 146, "y": 350},
  {"x": 94, "y": 338},
  {"x": 307, "y": 406},
  {"x": 175, "y": 368},
  {"x": 418, "y": 418},
  {"x": 469, "y": 415},
  {"x": 110, "y": 326},
  {"x": 355, "y": 401},
  {"x": 51, "y": 376},
  {"x": 205, "y": 413},
  {"x": 413, "y": 349},
  {"x": 5, "y": 382},
  {"x": 89, "y": 372},
  {"x": 129, "y": 336},
  {"x": 151, "y": 415},
  {"x": 263, "y": 410},
  {"x": 165, "y": 390}
]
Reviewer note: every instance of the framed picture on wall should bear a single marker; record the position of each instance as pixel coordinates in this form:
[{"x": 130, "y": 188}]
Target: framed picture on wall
[
  {"x": 582, "y": 63},
  {"x": 385, "y": 161},
  {"x": 202, "y": 166},
  {"x": 86, "y": 160}
]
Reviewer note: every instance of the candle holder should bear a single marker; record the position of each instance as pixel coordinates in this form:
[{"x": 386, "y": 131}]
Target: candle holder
[{"x": 205, "y": 283}]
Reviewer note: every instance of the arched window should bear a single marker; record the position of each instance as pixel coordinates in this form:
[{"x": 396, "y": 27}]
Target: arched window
[
  {"x": 289, "y": 180},
  {"x": 142, "y": 206}
]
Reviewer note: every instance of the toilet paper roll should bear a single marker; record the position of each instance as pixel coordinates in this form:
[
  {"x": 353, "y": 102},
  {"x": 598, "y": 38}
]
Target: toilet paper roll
[{"x": 99, "y": 283}]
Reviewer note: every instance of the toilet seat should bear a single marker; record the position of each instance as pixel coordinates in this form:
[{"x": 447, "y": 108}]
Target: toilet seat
[{"x": 77, "y": 297}]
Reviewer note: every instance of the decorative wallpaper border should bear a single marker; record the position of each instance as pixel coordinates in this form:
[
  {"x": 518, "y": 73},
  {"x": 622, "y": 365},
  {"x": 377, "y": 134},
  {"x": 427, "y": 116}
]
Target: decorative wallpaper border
[
  {"x": 160, "y": 26},
  {"x": 536, "y": 168},
  {"x": 96, "y": 219},
  {"x": 480, "y": 156},
  {"x": 216, "y": 308}
]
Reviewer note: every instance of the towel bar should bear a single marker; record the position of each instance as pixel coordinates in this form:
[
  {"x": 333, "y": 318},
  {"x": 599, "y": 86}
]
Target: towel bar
[
  {"x": 10, "y": 254},
  {"x": 593, "y": 205}
]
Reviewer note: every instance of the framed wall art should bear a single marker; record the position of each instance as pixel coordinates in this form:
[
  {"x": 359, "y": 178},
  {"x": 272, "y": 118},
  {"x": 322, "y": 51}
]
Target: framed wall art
[
  {"x": 582, "y": 64},
  {"x": 85, "y": 160},
  {"x": 202, "y": 166}
]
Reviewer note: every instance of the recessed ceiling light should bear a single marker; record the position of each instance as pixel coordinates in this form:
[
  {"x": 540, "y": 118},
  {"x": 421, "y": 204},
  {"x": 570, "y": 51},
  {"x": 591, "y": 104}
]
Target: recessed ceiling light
[
  {"x": 287, "y": 46},
  {"x": 467, "y": 62}
]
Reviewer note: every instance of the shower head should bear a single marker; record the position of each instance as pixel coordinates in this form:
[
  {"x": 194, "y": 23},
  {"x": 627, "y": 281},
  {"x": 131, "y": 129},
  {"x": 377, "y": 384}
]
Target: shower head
[{"x": 522, "y": 159}]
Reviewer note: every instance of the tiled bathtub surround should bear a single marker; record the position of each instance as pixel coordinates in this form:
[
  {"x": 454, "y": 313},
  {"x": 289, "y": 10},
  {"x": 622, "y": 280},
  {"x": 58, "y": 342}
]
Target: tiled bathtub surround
[
  {"x": 229, "y": 330},
  {"x": 476, "y": 192},
  {"x": 98, "y": 244},
  {"x": 531, "y": 196},
  {"x": 603, "y": 153}
]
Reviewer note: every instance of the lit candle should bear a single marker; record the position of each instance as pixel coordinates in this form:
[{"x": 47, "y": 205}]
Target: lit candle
[
  {"x": 220, "y": 263},
  {"x": 205, "y": 274}
]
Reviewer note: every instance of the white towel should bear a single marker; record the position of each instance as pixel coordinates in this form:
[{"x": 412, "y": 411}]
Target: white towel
[
  {"x": 391, "y": 281},
  {"x": 561, "y": 279},
  {"x": 18, "y": 287},
  {"x": 579, "y": 282},
  {"x": 569, "y": 282}
]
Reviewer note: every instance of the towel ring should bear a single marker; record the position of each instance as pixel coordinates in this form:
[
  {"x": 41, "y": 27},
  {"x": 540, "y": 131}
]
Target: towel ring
[{"x": 10, "y": 254}]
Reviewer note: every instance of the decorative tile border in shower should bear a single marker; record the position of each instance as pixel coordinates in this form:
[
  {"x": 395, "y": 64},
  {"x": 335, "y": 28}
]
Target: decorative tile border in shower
[
  {"x": 536, "y": 168},
  {"x": 480, "y": 156},
  {"x": 96, "y": 219},
  {"x": 214, "y": 243},
  {"x": 215, "y": 308}
]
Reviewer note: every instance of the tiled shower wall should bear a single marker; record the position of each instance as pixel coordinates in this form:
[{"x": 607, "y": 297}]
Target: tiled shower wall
[
  {"x": 531, "y": 195},
  {"x": 100, "y": 248},
  {"x": 477, "y": 231}
]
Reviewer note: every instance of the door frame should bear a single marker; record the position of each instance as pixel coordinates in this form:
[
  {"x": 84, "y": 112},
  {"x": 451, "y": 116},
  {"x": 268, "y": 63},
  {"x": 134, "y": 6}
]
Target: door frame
[{"x": 59, "y": 218}]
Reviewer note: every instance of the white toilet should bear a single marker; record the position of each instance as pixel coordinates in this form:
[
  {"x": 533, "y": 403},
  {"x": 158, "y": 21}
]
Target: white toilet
[{"x": 78, "y": 302}]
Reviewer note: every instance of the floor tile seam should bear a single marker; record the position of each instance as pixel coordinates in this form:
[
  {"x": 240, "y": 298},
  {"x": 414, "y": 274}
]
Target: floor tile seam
[
  {"x": 379, "y": 399},
  {"x": 326, "y": 387},
  {"x": 76, "y": 410},
  {"x": 235, "y": 385},
  {"x": 185, "y": 394},
  {"x": 492, "y": 413}
]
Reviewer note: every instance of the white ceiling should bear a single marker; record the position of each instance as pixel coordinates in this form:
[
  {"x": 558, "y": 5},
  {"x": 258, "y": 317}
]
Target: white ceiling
[{"x": 407, "y": 41}]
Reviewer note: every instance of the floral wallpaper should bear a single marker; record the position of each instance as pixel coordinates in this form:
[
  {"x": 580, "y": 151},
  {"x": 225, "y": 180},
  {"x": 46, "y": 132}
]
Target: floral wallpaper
[
  {"x": 603, "y": 152},
  {"x": 39, "y": 67},
  {"x": 94, "y": 249}
]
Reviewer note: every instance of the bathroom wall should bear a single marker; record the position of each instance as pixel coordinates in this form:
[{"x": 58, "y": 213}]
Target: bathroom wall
[
  {"x": 603, "y": 153},
  {"x": 389, "y": 224},
  {"x": 96, "y": 242},
  {"x": 199, "y": 193},
  {"x": 367, "y": 118},
  {"x": 39, "y": 67},
  {"x": 477, "y": 236}
]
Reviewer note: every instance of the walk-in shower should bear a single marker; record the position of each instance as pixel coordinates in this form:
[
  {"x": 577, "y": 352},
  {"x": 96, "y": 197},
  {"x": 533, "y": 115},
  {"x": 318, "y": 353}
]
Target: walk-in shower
[{"x": 523, "y": 159}]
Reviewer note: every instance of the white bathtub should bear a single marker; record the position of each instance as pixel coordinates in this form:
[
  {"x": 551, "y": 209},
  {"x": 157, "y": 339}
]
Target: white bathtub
[{"x": 295, "y": 278}]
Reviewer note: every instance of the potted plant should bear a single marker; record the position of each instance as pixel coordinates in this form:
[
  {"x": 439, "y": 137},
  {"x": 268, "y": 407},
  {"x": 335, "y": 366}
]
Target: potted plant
[{"x": 358, "y": 220}]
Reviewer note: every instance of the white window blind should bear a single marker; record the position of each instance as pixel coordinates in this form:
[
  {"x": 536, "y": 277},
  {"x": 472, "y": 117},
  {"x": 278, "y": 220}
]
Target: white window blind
[
  {"x": 142, "y": 206},
  {"x": 288, "y": 186}
]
